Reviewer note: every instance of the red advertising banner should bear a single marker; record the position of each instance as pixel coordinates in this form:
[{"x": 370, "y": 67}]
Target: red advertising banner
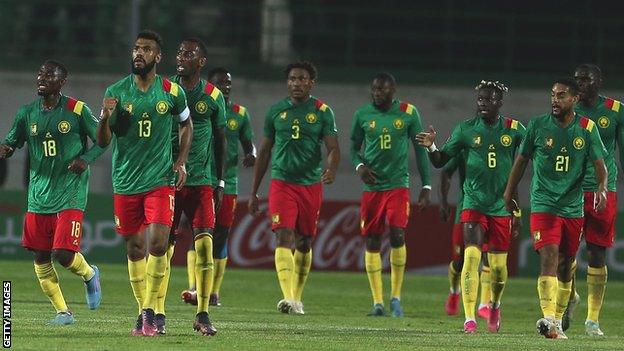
[{"x": 338, "y": 245}]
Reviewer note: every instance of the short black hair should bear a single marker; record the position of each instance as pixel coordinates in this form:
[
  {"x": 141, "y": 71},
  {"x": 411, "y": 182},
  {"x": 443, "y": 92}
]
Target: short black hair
[
  {"x": 61, "y": 67},
  {"x": 151, "y": 35},
  {"x": 570, "y": 83},
  {"x": 203, "y": 49},
  {"x": 590, "y": 67},
  {"x": 307, "y": 65},
  {"x": 495, "y": 85},
  {"x": 213, "y": 72},
  {"x": 385, "y": 77}
]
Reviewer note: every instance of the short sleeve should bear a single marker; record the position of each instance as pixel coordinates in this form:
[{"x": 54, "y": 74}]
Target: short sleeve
[
  {"x": 269, "y": 127},
  {"x": 597, "y": 149},
  {"x": 219, "y": 120},
  {"x": 454, "y": 144},
  {"x": 527, "y": 147},
  {"x": 179, "y": 102},
  {"x": 415, "y": 125},
  {"x": 246, "y": 132},
  {"x": 329, "y": 123},
  {"x": 17, "y": 134}
]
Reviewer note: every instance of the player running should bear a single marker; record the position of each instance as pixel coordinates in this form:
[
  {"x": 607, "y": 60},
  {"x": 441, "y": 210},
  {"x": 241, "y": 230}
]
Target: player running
[
  {"x": 137, "y": 116},
  {"x": 56, "y": 128},
  {"x": 489, "y": 142},
  {"x": 561, "y": 144},
  {"x": 294, "y": 128},
  {"x": 385, "y": 126}
]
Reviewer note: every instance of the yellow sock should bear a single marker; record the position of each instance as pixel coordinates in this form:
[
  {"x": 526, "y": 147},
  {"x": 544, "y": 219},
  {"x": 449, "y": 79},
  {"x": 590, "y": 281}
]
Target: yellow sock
[
  {"x": 162, "y": 293},
  {"x": 573, "y": 274},
  {"x": 303, "y": 262},
  {"x": 398, "y": 258},
  {"x": 220, "y": 264},
  {"x": 154, "y": 275},
  {"x": 547, "y": 290},
  {"x": 373, "y": 270},
  {"x": 285, "y": 266},
  {"x": 485, "y": 281},
  {"x": 204, "y": 271},
  {"x": 80, "y": 267},
  {"x": 190, "y": 268},
  {"x": 470, "y": 280},
  {"x": 563, "y": 297},
  {"x": 48, "y": 279},
  {"x": 136, "y": 271},
  {"x": 596, "y": 285},
  {"x": 453, "y": 276},
  {"x": 498, "y": 276}
]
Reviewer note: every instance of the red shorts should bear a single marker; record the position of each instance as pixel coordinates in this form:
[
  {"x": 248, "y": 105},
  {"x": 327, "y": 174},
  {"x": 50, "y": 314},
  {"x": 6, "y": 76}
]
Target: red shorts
[
  {"x": 599, "y": 227},
  {"x": 380, "y": 207},
  {"x": 225, "y": 216},
  {"x": 550, "y": 229},
  {"x": 133, "y": 212},
  {"x": 197, "y": 203},
  {"x": 47, "y": 232},
  {"x": 497, "y": 229},
  {"x": 295, "y": 206}
]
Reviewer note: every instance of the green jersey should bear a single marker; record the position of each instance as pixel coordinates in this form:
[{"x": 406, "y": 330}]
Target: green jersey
[
  {"x": 55, "y": 138},
  {"x": 560, "y": 158},
  {"x": 238, "y": 127},
  {"x": 297, "y": 132},
  {"x": 457, "y": 163},
  {"x": 387, "y": 136},
  {"x": 207, "y": 107},
  {"x": 141, "y": 126},
  {"x": 490, "y": 153},
  {"x": 610, "y": 122}
]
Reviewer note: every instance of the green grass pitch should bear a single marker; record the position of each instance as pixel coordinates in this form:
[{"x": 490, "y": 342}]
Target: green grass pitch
[{"x": 335, "y": 304}]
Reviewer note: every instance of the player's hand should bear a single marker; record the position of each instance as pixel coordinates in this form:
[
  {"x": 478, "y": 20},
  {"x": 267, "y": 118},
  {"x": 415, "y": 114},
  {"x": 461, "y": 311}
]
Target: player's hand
[
  {"x": 249, "y": 160},
  {"x": 217, "y": 195},
  {"x": 426, "y": 139},
  {"x": 78, "y": 166},
  {"x": 367, "y": 175},
  {"x": 252, "y": 205},
  {"x": 445, "y": 211},
  {"x": 180, "y": 170},
  {"x": 516, "y": 226},
  {"x": 600, "y": 200},
  {"x": 423, "y": 199},
  {"x": 328, "y": 176},
  {"x": 5, "y": 150},
  {"x": 108, "y": 107}
]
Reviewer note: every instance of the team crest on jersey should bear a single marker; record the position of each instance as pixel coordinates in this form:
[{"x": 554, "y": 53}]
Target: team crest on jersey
[
  {"x": 275, "y": 218},
  {"x": 603, "y": 122},
  {"x": 578, "y": 143},
  {"x": 476, "y": 141},
  {"x": 283, "y": 115},
  {"x": 201, "y": 107},
  {"x": 232, "y": 124},
  {"x": 537, "y": 236},
  {"x": 398, "y": 123},
  {"x": 371, "y": 125},
  {"x": 549, "y": 143},
  {"x": 128, "y": 107},
  {"x": 64, "y": 127},
  {"x": 161, "y": 107},
  {"x": 505, "y": 140},
  {"x": 33, "y": 129},
  {"x": 311, "y": 118}
]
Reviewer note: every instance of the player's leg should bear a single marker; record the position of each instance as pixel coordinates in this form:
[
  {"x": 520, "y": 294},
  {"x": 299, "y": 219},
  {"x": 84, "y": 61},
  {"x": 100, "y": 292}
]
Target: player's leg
[
  {"x": 284, "y": 211},
  {"x": 38, "y": 237},
  {"x": 397, "y": 215},
  {"x": 498, "y": 242},
  {"x": 66, "y": 251},
  {"x": 454, "y": 270},
  {"x": 485, "y": 297},
  {"x": 135, "y": 250},
  {"x": 546, "y": 232},
  {"x": 302, "y": 263},
  {"x": 372, "y": 226},
  {"x": 573, "y": 300},
  {"x": 159, "y": 310},
  {"x": 203, "y": 220},
  {"x": 564, "y": 287},
  {"x": 225, "y": 218},
  {"x": 475, "y": 225}
]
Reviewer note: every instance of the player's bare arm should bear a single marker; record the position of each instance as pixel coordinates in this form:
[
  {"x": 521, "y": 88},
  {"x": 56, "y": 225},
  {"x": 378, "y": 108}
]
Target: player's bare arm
[
  {"x": 78, "y": 166},
  {"x": 5, "y": 151},
  {"x": 438, "y": 158},
  {"x": 262, "y": 163},
  {"x": 333, "y": 159},
  {"x": 517, "y": 171},
  {"x": 219, "y": 150},
  {"x": 250, "y": 152},
  {"x": 601, "y": 178},
  {"x": 445, "y": 186},
  {"x": 185, "y": 138},
  {"x": 103, "y": 133}
]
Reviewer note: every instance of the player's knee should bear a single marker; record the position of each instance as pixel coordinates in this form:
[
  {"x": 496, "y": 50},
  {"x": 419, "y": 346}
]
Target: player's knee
[
  {"x": 219, "y": 244},
  {"x": 42, "y": 257},
  {"x": 373, "y": 243},
  {"x": 64, "y": 257},
  {"x": 304, "y": 244},
  {"x": 458, "y": 265},
  {"x": 596, "y": 255},
  {"x": 284, "y": 237},
  {"x": 397, "y": 238}
]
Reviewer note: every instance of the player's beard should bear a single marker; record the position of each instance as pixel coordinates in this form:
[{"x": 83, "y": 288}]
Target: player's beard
[{"x": 142, "y": 71}]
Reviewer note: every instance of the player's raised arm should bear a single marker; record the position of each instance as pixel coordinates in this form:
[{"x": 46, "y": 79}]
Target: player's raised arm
[
  {"x": 104, "y": 134},
  {"x": 427, "y": 139},
  {"x": 88, "y": 125}
]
